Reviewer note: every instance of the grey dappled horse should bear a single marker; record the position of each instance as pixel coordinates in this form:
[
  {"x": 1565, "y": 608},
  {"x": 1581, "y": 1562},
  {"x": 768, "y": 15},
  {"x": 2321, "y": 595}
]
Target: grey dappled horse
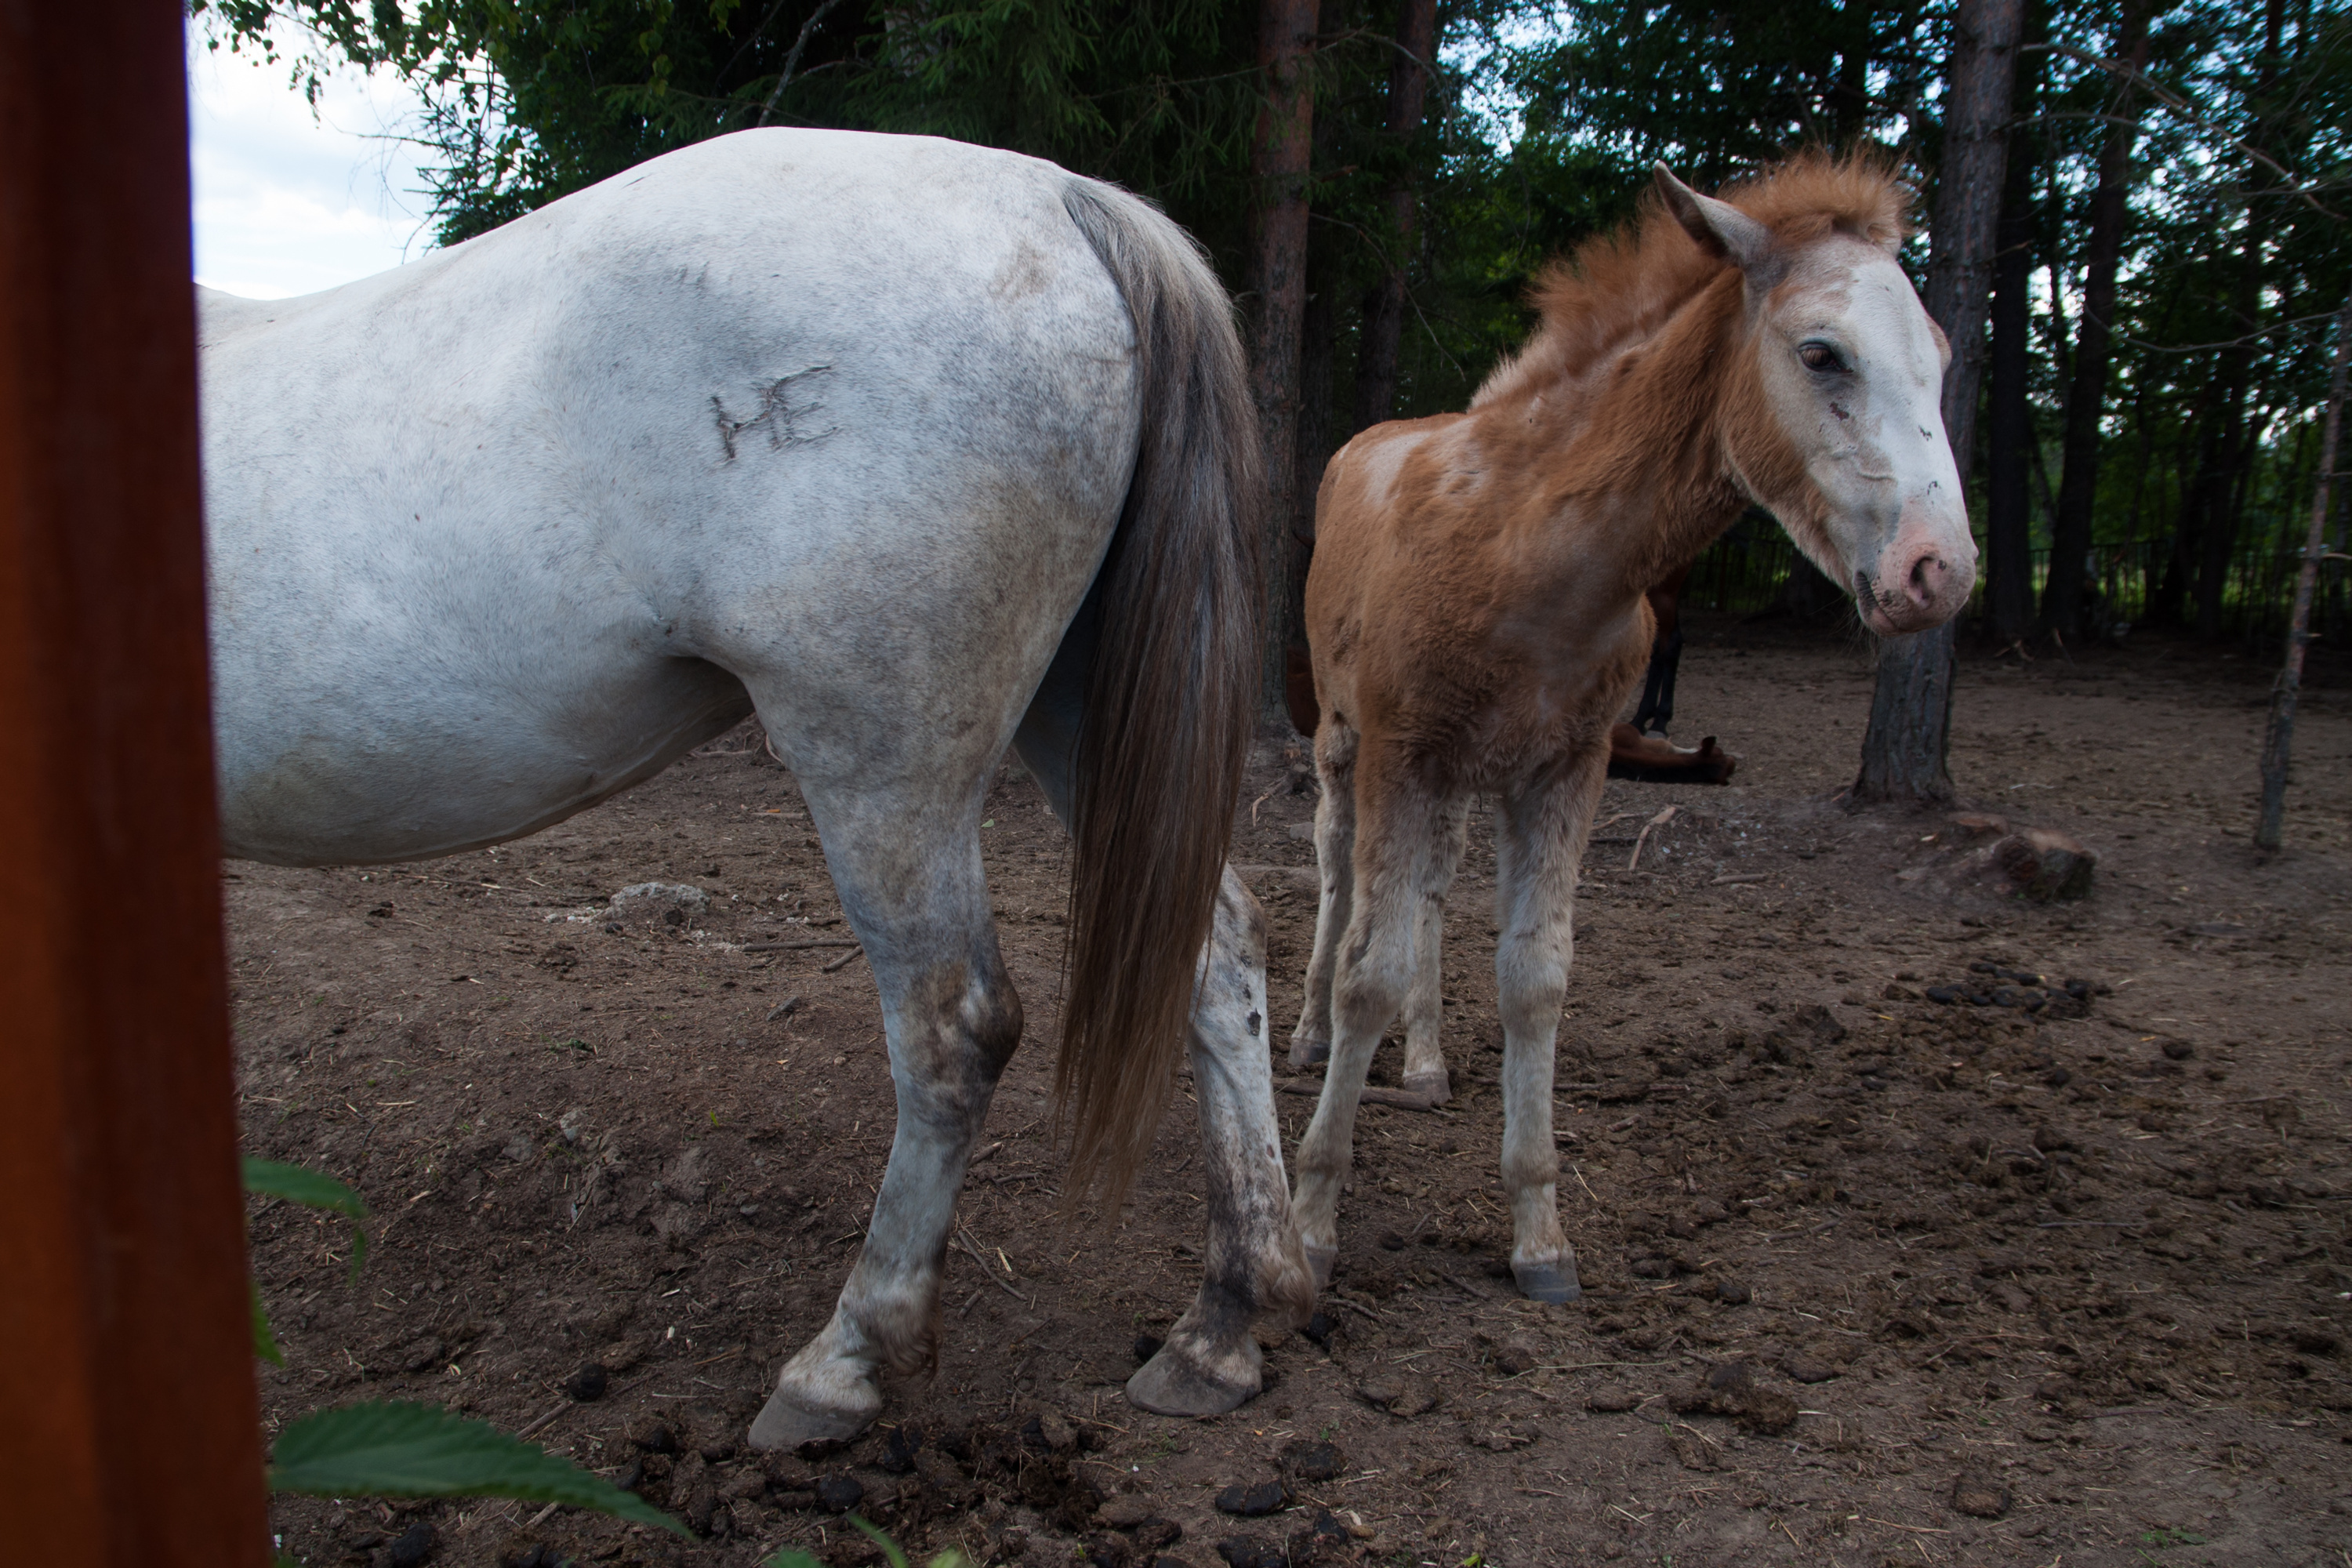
[{"x": 918, "y": 450}]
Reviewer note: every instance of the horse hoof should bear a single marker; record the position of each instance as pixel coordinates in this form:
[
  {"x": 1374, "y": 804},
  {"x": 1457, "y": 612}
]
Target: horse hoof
[
  {"x": 1308, "y": 1053},
  {"x": 1549, "y": 1281},
  {"x": 787, "y": 1421},
  {"x": 1320, "y": 1259},
  {"x": 1177, "y": 1383},
  {"x": 1433, "y": 1084}
]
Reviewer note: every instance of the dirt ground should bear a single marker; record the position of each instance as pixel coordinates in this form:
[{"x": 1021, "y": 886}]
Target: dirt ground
[{"x": 2037, "y": 1290}]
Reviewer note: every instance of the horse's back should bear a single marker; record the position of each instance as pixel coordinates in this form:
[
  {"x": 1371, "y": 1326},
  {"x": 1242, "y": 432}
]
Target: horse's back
[{"x": 498, "y": 532}]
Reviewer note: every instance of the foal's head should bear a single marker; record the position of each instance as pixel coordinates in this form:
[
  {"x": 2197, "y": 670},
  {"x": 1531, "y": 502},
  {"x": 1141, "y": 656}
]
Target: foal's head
[{"x": 1835, "y": 421}]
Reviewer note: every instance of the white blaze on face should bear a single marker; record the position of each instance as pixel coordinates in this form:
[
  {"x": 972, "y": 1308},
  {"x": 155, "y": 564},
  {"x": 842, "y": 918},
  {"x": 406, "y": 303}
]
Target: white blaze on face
[{"x": 1855, "y": 370}]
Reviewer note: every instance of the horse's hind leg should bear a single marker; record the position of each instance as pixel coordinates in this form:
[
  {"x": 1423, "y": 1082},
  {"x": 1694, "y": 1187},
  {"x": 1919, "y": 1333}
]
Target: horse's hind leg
[
  {"x": 1539, "y": 839},
  {"x": 1252, "y": 1267},
  {"x": 1404, "y": 831},
  {"x": 1335, "y": 862},
  {"x": 1424, "y": 1004},
  {"x": 907, "y": 865}
]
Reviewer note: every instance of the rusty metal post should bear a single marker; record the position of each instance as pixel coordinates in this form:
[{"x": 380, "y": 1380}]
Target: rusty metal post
[{"x": 132, "y": 1432}]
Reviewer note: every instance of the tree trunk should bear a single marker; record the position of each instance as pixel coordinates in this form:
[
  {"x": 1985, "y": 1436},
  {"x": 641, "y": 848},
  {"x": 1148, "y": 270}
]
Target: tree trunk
[
  {"x": 1384, "y": 307},
  {"x": 1911, "y": 715},
  {"x": 2009, "y": 440},
  {"x": 2078, "y": 485},
  {"x": 1314, "y": 446},
  {"x": 2279, "y": 740},
  {"x": 1280, "y": 158}
]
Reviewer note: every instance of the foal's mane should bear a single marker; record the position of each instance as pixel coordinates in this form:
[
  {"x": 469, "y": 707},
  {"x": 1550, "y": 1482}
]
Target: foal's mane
[{"x": 1621, "y": 286}]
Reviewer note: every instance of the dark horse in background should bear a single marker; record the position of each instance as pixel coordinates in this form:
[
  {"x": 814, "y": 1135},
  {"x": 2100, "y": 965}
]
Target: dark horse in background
[{"x": 1639, "y": 751}]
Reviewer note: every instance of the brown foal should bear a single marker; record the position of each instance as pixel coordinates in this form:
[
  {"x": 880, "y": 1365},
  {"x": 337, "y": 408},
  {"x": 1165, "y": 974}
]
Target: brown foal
[{"x": 1476, "y": 604}]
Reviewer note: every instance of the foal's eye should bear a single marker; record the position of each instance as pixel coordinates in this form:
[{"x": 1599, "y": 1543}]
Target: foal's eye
[{"x": 1819, "y": 356}]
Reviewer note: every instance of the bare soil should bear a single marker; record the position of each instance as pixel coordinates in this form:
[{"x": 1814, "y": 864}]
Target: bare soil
[{"x": 2036, "y": 1290}]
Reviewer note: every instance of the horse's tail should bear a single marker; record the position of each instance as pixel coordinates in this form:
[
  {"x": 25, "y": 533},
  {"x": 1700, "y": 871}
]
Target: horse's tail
[{"x": 1171, "y": 697}]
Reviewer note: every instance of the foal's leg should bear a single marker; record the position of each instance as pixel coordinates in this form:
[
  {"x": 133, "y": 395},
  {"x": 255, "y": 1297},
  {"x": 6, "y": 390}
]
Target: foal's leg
[
  {"x": 1538, "y": 841},
  {"x": 1335, "y": 862},
  {"x": 906, "y": 866},
  {"x": 1404, "y": 830},
  {"x": 1424, "y": 1004}
]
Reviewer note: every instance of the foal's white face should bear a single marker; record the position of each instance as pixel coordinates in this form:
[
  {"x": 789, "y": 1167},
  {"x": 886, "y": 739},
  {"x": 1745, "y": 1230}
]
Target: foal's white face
[{"x": 1854, "y": 370}]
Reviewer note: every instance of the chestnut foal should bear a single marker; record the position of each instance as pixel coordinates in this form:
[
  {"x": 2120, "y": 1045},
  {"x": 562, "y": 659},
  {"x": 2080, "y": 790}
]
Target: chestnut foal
[{"x": 1475, "y": 607}]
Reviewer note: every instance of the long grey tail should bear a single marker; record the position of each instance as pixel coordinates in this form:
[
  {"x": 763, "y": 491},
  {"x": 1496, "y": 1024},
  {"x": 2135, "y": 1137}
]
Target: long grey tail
[{"x": 1171, "y": 697}]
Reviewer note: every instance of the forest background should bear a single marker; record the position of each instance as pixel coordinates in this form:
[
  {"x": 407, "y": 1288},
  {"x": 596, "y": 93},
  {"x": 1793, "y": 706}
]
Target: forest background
[{"x": 1379, "y": 181}]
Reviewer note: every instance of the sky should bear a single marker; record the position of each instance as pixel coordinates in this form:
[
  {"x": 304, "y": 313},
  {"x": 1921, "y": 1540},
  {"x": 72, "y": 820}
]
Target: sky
[{"x": 289, "y": 202}]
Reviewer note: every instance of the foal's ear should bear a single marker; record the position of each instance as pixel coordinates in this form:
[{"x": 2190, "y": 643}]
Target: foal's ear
[{"x": 1720, "y": 228}]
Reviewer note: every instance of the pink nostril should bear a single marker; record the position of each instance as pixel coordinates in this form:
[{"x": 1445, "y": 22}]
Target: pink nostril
[{"x": 1926, "y": 580}]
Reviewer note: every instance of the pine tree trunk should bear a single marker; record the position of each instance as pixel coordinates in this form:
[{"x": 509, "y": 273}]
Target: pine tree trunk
[
  {"x": 1384, "y": 307},
  {"x": 1279, "y": 163},
  {"x": 2078, "y": 487},
  {"x": 2009, "y": 415},
  {"x": 1903, "y": 755}
]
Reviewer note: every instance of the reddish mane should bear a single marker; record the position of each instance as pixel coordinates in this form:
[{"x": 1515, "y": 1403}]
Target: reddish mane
[{"x": 1621, "y": 286}]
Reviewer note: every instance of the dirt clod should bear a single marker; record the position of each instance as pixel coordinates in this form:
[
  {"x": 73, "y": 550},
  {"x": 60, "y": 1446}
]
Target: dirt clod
[
  {"x": 1253, "y": 1499},
  {"x": 839, "y": 1494},
  {"x": 1735, "y": 1389},
  {"x": 588, "y": 1383},
  {"x": 415, "y": 1547},
  {"x": 1978, "y": 1496},
  {"x": 1314, "y": 1461}
]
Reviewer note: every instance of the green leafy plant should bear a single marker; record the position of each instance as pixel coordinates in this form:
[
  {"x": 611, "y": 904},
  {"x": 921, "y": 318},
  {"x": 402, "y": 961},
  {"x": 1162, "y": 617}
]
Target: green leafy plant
[
  {"x": 396, "y": 1448},
  {"x": 400, "y": 1448},
  {"x": 793, "y": 1557}
]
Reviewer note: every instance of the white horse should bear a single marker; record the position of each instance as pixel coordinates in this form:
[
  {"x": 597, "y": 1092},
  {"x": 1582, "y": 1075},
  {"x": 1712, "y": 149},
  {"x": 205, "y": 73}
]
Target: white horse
[{"x": 918, "y": 449}]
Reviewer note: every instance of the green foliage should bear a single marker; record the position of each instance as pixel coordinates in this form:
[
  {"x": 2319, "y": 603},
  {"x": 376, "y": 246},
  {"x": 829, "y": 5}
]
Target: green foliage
[
  {"x": 396, "y": 1448},
  {"x": 402, "y": 1449},
  {"x": 298, "y": 1184}
]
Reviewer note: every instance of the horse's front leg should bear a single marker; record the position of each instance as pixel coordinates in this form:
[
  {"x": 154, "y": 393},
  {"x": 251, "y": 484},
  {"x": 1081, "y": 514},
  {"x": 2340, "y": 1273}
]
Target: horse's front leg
[
  {"x": 1252, "y": 1265},
  {"x": 1538, "y": 841},
  {"x": 913, "y": 891}
]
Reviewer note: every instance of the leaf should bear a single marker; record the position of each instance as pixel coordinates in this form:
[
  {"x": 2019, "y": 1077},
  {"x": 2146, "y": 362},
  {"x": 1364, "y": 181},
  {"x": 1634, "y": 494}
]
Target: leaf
[
  {"x": 791, "y": 1557},
  {"x": 300, "y": 1184},
  {"x": 395, "y": 1448},
  {"x": 264, "y": 1343}
]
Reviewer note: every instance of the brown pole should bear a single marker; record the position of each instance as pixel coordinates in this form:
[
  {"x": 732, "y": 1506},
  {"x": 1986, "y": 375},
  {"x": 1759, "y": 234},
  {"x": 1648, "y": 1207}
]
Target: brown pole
[
  {"x": 2278, "y": 742},
  {"x": 132, "y": 1432}
]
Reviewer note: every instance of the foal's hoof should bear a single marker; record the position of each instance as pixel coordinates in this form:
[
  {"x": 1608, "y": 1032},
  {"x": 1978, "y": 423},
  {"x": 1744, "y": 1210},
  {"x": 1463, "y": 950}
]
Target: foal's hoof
[
  {"x": 788, "y": 1420},
  {"x": 1432, "y": 1084},
  {"x": 1308, "y": 1053},
  {"x": 1547, "y": 1281},
  {"x": 1179, "y": 1381}
]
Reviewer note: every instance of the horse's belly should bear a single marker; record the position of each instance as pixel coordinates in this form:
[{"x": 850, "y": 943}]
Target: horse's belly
[{"x": 309, "y": 775}]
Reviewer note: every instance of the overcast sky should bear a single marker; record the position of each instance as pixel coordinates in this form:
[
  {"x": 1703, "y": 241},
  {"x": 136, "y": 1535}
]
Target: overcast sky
[{"x": 287, "y": 201}]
